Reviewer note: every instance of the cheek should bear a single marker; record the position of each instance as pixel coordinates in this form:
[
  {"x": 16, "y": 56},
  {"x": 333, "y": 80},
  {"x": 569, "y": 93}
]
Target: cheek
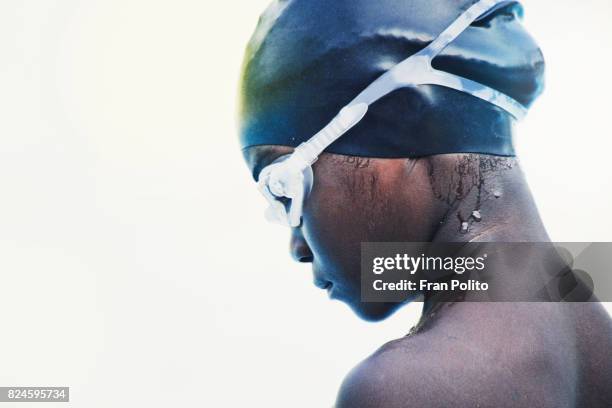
[
  {"x": 333, "y": 230},
  {"x": 342, "y": 217},
  {"x": 342, "y": 212},
  {"x": 339, "y": 215}
]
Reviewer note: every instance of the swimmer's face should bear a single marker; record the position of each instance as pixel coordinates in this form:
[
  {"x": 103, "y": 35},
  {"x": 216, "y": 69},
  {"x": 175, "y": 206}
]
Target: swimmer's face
[{"x": 355, "y": 200}]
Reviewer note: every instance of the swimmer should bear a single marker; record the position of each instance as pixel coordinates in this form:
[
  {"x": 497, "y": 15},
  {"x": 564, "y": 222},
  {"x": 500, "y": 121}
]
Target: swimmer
[{"x": 416, "y": 150}]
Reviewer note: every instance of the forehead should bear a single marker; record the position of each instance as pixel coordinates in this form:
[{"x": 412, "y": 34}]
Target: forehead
[{"x": 258, "y": 157}]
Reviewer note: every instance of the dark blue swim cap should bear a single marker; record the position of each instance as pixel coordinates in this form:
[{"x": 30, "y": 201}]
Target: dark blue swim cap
[{"x": 309, "y": 58}]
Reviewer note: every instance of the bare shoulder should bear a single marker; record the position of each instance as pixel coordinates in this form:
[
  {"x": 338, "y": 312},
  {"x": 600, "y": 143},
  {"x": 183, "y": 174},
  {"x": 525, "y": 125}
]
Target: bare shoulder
[
  {"x": 388, "y": 378},
  {"x": 446, "y": 365}
]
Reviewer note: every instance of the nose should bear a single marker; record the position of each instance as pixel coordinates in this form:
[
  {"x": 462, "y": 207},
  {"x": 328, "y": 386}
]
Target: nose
[{"x": 300, "y": 252}]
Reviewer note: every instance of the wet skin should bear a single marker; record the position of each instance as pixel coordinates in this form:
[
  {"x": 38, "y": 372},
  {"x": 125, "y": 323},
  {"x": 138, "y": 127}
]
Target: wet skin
[
  {"x": 468, "y": 354},
  {"x": 357, "y": 201}
]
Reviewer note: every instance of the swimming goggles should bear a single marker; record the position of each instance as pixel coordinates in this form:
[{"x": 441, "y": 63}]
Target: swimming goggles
[{"x": 287, "y": 182}]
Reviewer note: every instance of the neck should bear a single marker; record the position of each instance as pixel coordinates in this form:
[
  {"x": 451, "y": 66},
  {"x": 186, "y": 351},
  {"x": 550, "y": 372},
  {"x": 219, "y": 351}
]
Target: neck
[{"x": 502, "y": 210}]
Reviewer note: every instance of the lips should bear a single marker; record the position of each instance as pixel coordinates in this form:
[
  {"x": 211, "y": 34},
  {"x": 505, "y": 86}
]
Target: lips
[
  {"x": 318, "y": 278},
  {"x": 323, "y": 284}
]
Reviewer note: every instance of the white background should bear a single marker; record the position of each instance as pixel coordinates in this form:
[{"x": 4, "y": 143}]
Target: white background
[{"x": 135, "y": 265}]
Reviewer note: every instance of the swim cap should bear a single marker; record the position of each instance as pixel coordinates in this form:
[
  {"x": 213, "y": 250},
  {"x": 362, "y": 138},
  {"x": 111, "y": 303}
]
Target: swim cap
[{"x": 309, "y": 58}]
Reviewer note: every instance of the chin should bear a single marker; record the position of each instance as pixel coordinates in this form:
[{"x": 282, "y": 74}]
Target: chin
[{"x": 374, "y": 312}]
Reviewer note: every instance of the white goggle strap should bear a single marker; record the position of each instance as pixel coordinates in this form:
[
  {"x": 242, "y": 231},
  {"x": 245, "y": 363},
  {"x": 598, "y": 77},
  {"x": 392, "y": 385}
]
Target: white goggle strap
[
  {"x": 413, "y": 71},
  {"x": 493, "y": 96},
  {"x": 295, "y": 209},
  {"x": 297, "y": 203},
  {"x": 458, "y": 26},
  {"x": 417, "y": 70},
  {"x": 308, "y": 152}
]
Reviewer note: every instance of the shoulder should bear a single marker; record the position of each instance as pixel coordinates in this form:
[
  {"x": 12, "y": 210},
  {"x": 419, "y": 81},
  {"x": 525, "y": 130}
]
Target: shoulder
[
  {"x": 438, "y": 369},
  {"x": 384, "y": 379},
  {"x": 406, "y": 373}
]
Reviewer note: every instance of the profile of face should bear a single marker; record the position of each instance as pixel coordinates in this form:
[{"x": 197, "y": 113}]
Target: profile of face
[
  {"x": 355, "y": 200},
  {"x": 299, "y": 68}
]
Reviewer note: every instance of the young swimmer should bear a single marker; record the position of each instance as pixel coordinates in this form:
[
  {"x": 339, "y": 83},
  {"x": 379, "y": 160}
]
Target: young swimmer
[{"x": 426, "y": 163}]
